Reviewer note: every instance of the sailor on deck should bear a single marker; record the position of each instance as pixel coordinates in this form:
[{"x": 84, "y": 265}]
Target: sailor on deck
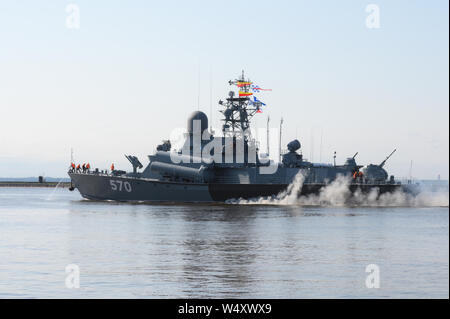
[{"x": 358, "y": 176}]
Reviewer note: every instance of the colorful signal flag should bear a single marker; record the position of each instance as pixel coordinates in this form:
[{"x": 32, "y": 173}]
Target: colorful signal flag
[
  {"x": 256, "y": 88},
  {"x": 243, "y": 84},
  {"x": 256, "y": 101},
  {"x": 242, "y": 93}
]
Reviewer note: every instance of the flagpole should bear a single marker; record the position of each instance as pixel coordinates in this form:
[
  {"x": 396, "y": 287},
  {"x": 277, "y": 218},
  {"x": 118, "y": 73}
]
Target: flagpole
[
  {"x": 198, "y": 93},
  {"x": 281, "y": 126},
  {"x": 210, "y": 98},
  {"x": 268, "y": 148}
]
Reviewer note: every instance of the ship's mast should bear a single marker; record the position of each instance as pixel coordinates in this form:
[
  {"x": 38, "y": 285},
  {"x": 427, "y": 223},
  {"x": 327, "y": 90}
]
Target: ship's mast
[{"x": 239, "y": 110}]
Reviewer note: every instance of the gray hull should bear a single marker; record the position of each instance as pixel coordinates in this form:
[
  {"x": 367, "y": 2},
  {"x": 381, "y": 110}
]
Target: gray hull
[
  {"x": 105, "y": 187},
  {"x": 120, "y": 188}
]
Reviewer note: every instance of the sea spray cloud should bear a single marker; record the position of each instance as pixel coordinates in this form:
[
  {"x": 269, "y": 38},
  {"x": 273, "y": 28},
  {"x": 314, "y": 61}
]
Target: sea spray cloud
[
  {"x": 338, "y": 193},
  {"x": 287, "y": 197}
]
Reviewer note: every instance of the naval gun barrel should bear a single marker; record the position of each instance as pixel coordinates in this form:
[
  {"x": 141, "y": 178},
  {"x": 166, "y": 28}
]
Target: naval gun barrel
[
  {"x": 355, "y": 155},
  {"x": 384, "y": 162}
]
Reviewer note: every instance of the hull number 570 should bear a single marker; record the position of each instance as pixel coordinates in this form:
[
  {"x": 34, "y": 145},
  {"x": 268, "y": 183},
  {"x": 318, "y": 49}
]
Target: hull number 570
[{"x": 118, "y": 185}]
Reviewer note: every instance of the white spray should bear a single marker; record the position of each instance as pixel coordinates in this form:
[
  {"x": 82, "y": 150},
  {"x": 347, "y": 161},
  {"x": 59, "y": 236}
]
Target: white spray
[{"x": 338, "y": 193}]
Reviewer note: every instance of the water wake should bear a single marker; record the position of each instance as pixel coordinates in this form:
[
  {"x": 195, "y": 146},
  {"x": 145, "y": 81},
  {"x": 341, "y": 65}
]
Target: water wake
[
  {"x": 338, "y": 193},
  {"x": 49, "y": 197}
]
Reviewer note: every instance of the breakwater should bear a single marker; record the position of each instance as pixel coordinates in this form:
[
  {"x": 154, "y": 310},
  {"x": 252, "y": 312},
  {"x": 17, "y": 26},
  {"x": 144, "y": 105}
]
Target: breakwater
[{"x": 34, "y": 184}]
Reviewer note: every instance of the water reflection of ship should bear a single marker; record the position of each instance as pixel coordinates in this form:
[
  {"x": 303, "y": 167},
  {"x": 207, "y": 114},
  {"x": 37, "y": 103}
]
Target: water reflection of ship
[{"x": 226, "y": 251}]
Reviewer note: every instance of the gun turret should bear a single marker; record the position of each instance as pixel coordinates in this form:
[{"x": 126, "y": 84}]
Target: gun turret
[
  {"x": 351, "y": 163},
  {"x": 384, "y": 162}
]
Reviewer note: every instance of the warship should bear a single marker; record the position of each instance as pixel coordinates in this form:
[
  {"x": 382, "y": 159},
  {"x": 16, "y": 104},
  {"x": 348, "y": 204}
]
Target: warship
[{"x": 229, "y": 165}]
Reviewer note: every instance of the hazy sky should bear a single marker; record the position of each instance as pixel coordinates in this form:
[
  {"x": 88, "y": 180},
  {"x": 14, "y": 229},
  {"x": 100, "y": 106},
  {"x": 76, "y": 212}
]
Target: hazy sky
[{"x": 129, "y": 76}]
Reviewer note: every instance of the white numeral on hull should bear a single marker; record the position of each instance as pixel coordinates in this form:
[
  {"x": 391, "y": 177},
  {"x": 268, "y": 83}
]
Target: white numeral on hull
[{"x": 118, "y": 185}]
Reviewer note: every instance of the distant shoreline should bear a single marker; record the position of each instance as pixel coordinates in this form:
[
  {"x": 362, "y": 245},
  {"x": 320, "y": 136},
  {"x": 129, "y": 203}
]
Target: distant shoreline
[{"x": 34, "y": 184}]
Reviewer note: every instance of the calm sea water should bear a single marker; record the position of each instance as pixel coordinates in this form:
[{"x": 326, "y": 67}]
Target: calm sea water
[{"x": 217, "y": 251}]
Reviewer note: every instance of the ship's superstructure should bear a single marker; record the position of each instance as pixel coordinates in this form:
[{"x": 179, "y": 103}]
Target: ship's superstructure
[{"x": 217, "y": 168}]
